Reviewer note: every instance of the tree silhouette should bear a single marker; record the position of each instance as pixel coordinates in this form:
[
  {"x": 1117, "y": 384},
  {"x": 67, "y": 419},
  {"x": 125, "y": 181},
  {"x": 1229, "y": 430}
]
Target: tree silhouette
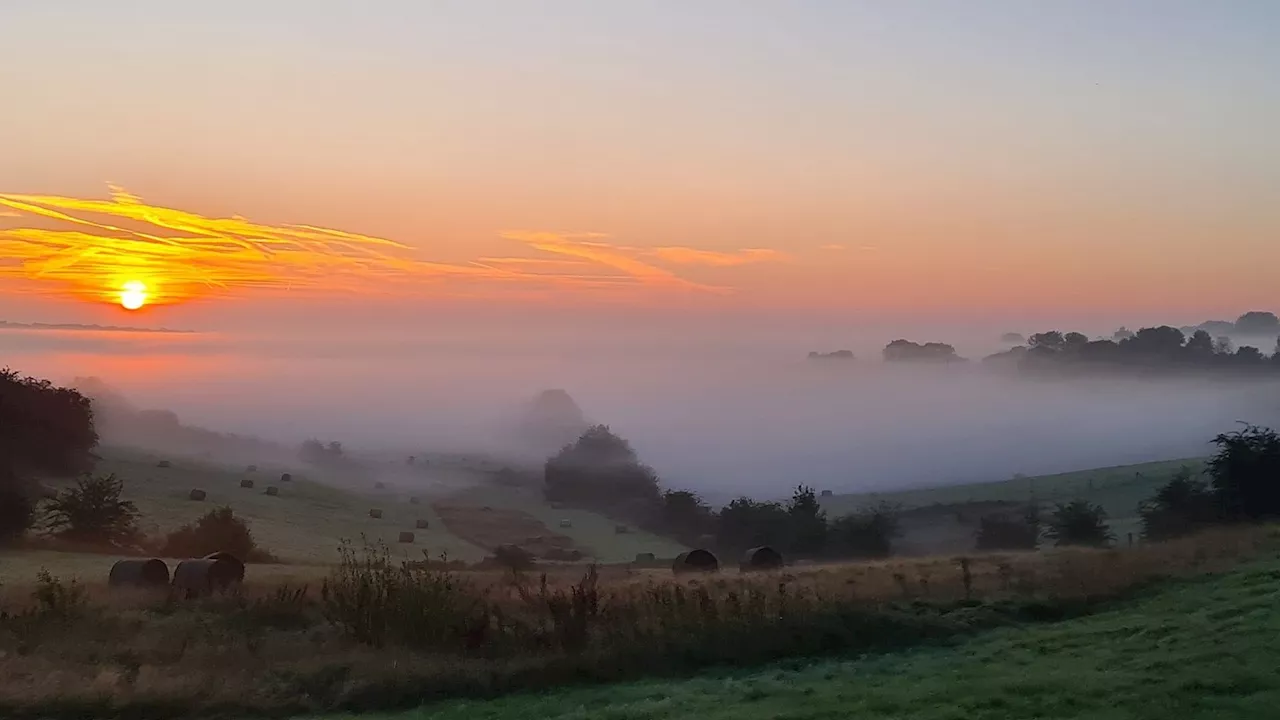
[
  {"x": 1245, "y": 473},
  {"x": 808, "y": 536},
  {"x": 1181, "y": 507},
  {"x": 92, "y": 512},
  {"x": 1079, "y": 523},
  {"x": 600, "y": 470},
  {"x": 1258, "y": 323},
  {"x": 907, "y": 351},
  {"x": 746, "y": 523},
  {"x": 868, "y": 533}
]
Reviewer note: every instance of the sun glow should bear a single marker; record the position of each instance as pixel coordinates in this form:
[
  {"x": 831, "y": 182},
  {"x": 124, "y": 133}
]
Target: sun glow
[{"x": 133, "y": 296}]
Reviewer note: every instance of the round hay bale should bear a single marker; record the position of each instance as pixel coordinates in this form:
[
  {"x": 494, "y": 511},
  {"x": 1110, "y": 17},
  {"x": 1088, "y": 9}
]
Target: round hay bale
[
  {"x": 695, "y": 561},
  {"x": 760, "y": 558},
  {"x": 286, "y": 477},
  {"x": 273, "y": 491},
  {"x": 229, "y": 558},
  {"x": 197, "y": 494},
  {"x": 826, "y": 493},
  {"x": 164, "y": 464},
  {"x": 566, "y": 523},
  {"x": 246, "y": 483},
  {"x": 406, "y": 536},
  {"x": 139, "y": 573},
  {"x": 198, "y": 578},
  {"x": 421, "y": 524},
  {"x": 376, "y": 514},
  {"x": 413, "y": 500},
  {"x": 645, "y": 558}
]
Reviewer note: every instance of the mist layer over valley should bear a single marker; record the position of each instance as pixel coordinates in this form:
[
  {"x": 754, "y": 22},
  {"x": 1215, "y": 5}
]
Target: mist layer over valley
[{"x": 724, "y": 414}]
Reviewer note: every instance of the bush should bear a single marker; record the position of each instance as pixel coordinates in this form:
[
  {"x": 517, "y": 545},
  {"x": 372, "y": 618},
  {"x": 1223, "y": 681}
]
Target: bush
[
  {"x": 746, "y": 523},
  {"x": 1245, "y": 473},
  {"x": 867, "y": 533},
  {"x": 999, "y": 532},
  {"x": 1183, "y": 506},
  {"x": 1079, "y": 523},
  {"x": 92, "y": 512},
  {"x": 217, "y": 531},
  {"x": 514, "y": 558},
  {"x": 600, "y": 470}
]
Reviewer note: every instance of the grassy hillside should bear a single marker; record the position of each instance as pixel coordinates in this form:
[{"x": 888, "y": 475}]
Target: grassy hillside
[{"x": 1197, "y": 649}]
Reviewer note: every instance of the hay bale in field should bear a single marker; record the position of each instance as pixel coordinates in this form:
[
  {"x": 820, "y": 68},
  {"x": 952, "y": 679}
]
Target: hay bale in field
[
  {"x": 286, "y": 477},
  {"x": 197, "y": 578},
  {"x": 760, "y": 558},
  {"x": 229, "y": 558},
  {"x": 246, "y": 483},
  {"x": 197, "y": 494},
  {"x": 139, "y": 573},
  {"x": 375, "y": 513},
  {"x": 413, "y": 500},
  {"x": 645, "y": 558},
  {"x": 421, "y": 524},
  {"x": 621, "y": 529},
  {"x": 164, "y": 464},
  {"x": 566, "y": 523},
  {"x": 826, "y": 493},
  {"x": 273, "y": 491},
  {"x": 695, "y": 561},
  {"x": 406, "y": 537}
]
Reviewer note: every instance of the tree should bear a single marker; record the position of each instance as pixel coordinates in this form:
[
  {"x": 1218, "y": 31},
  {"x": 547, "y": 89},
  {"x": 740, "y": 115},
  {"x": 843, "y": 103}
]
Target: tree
[
  {"x": 1052, "y": 340},
  {"x": 216, "y": 531},
  {"x": 1182, "y": 506},
  {"x": 1123, "y": 333},
  {"x": 1258, "y": 323},
  {"x": 1200, "y": 345},
  {"x": 1000, "y": 532},
  {"x": 44, "y": 429},
  {"x": 1079, "y": 523},
  {"x": 1154, "y": 343},
  {"x": 868, "y": 533},
  {"x": 17, "y": 508},
  {"x": 1245, "y": 473},
  {"x": 684, "y": 515},
  {"x": 1223, "y": 346},
  {"x": 907, "y": 351},
  {"x": 600, "y": 470},
  {"x": 92, "y": 512},
  {"x": 746, "y": 523},
  {"x": 1074, "y": 340},
  {"x": 808, "y": 536}
]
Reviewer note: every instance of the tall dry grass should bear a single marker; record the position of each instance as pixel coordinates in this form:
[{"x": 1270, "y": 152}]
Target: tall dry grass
[{"x": 377, "y": 633}]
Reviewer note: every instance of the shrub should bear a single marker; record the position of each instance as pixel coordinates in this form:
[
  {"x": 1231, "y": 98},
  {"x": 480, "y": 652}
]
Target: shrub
[
  {"x": 92, "y": 512},
  {"x": 217, "y": 531},
  {"x": 867, "y": 533},
  {"x": 1183, "y": 506},
  {"x": 1079, "y": 523},
  {"x": 808, "y": 531},
  {"x": 1000, "y": 532},
  {"x": 600, "y": 469},
  {"x": 514, "y": 558},
  {"x": 1245, "y": 473}
]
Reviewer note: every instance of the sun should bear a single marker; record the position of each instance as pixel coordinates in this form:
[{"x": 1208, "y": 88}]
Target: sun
[{"x": 133, "y": 296}]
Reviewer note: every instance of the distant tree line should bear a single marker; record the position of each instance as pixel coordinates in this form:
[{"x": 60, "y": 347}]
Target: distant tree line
[{"x": 1156, "y": 348}]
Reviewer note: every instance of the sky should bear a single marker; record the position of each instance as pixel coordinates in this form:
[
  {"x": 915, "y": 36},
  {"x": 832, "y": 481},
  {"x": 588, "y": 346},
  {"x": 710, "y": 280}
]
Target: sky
[{"x": 254, "y": 164}]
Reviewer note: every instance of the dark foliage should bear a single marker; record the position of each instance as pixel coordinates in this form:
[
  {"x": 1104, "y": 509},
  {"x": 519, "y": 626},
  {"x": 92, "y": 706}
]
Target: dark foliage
[
  {"x": 1079, "y": 522},
  {"x": 217, "y": 531},
  {"x": 907, "y": 351},
  {"x": 1001, "y": 532},
  {"x": 807, "y": 535},
  {"x": 1181, "y": 507},
  {"x": 867, "y": 533},
  {"x": 746, "y": 523},
  {"x": 514, "y": 558},
  {"x": 1245, "y": 473},
  {"x": 600, "y": 470},
  {"x": 684, "y": 516},
  {"x": 17, "y": 509},
  {"x": 44, "y": 428},
  {"x": 92, "y": 512}
]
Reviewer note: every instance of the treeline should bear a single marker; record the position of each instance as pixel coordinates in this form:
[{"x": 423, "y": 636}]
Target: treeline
[
  {"x": 602, "y": 472},
  {"x": 1154, "y": 348}
]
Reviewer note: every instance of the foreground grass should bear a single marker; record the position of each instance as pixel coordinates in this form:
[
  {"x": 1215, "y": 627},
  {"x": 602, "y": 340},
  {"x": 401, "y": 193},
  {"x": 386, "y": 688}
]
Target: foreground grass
[{"x": 1194, "y": 649}]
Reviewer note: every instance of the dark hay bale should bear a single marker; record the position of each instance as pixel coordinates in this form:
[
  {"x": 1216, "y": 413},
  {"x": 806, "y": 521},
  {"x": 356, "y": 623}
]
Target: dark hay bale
[
  {"x": 406, "y": 536},
  {"x": 229, "y": 558},
  {"x": 252, "y": 468},
  {"x": 621, "y": 529},
  {"x": 139, "y": 573},
  {"x": 164, "y": 464},
  {"x": 646, "y": 558},
  {"x": 760, "y": 558},
  {"x": 421, "y": 525},
  {"x": 197, "y": 495},
  {"x": 246, "y": 483},
  {"x": 566, "y": 523},
  {"x": 273, "y": 491},
  {"x": 286, "y": 477},
  {"x": 826, "y": 493},
  {"x": 413, "y": 500},
  {"x": 695, "y": 561},
  {"x": 375, "y": 514},
  {"x": 198, "y": 578}
]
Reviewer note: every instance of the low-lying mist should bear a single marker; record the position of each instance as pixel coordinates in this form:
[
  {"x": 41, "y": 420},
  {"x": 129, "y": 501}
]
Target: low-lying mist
[{"x": 723, "y": 419}]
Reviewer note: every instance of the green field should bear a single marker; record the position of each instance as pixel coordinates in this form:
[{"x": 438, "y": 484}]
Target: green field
[{"x": 1194, "y": 649}]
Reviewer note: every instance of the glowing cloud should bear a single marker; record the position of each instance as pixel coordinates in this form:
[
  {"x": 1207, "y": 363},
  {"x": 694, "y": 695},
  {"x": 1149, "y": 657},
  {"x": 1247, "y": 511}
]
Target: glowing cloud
[{"x": 95, "y": 250}]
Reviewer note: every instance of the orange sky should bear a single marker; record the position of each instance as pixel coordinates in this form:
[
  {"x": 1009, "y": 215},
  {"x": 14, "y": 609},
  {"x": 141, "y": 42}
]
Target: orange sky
[{"x": 822, "y": 158}]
